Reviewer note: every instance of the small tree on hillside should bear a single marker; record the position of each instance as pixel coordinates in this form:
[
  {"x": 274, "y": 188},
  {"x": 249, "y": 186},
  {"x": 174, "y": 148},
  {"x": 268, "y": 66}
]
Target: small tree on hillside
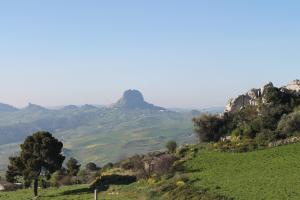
[
  {"x": 41, "y": 154},
  {"x": 171, "y": 146},
  {"x": 91, "y": 167},
  {"x": 209, "y": 127},
  {"x": 73, "y": 167}
]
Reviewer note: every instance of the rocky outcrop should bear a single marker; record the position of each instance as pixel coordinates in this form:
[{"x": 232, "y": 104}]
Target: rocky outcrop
[
  {"x": 250, "y": 98},
  {"x": 133, "y": 99},
  {"x": 254, "y": 96},
  {"x": 293, "y": 86},
  {"x": 286, "y": 141}
]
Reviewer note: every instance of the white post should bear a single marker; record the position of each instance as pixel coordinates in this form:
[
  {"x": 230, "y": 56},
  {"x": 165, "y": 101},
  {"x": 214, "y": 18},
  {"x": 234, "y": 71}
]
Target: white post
[{"x": 96, "y": 194}]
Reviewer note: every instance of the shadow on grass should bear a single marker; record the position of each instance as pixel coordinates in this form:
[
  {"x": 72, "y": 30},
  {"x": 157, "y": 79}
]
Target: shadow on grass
[
  {"x": 79, "y": 191},
  {"x": 193, "y": 170}
]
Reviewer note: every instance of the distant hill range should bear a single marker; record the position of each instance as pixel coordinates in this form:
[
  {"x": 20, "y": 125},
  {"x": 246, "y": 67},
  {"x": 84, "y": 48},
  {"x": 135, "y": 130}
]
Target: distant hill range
[{"x": 96, "y": 133}]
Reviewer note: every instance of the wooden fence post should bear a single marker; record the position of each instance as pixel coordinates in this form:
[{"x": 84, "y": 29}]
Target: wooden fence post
[{"x": 96, "y": 194}]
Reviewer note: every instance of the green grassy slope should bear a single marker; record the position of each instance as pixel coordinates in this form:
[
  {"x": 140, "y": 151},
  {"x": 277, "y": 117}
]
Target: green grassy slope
[
  {"x": 271, "y": 174},
  {"x": 266, "y": 174},
  {"x": 80, "y": 192}
]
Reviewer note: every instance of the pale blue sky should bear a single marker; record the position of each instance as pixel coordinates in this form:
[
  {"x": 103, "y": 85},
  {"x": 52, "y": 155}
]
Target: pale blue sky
[{"x": 178, "y": 53}]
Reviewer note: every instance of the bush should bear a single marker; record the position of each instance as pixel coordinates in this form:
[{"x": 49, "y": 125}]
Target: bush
[
  {"x": 240, "y": 146},
  {"x": 91, "y": 167},
  {"x": 73, "y": 167},
  {"x": 171, "y": 146},
  {"x": 290, "y": 124},
  {"x": 127, "y": 164},
  {"x": 183, "y": 151},
  {"x": 153, "y": 164},
  {"x": 266, "y": 136},
  {"x": 209, "y": 127},
  {"x": 103, "y": 182},
  {"x": 106, "y": 167}
]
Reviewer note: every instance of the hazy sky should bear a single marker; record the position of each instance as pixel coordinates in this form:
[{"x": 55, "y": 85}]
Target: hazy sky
[{"x": 178, "y": 53}]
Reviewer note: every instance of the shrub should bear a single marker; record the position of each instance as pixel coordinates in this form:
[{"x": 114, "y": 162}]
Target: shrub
[
  {"x": 290, "y": 124},
  {"x": 106, "y": 167},
  {"x": 127, "y": 164},
  {"x": 171, "y": 146},
  {"x": 155, "y": 164},
  {"x": 73, "y": 167},
  {"x": 91, "y": 167},
  {"x": 209, "y": 127},
  {"x": 240, "y": 146},
  {"x": 103, "y": 182},
  {"x": 265, "y": 136},
  {"x": 183, "y": 151}
]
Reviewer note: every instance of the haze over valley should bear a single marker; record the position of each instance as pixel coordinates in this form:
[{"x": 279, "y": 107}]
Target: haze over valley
[{"x": 127, "y": 127}]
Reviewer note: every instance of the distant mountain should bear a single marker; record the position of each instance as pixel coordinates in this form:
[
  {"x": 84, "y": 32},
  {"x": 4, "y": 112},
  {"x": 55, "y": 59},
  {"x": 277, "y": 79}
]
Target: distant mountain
[
  {"x": 7, "y": 108},
  {"x": 133, "y": 99},
  {"x": 70, "y": 107},
  {"x": 88, "y": 106},
  {"x": 34, "y": 107},
  {"x": 217, "y": 109},
  {"x": 98, "y": 134}
]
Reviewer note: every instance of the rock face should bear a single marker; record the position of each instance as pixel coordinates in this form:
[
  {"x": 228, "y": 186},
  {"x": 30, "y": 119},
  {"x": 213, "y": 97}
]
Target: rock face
[
  {"x": 294, "y": 86},
  {"x": 133, "y": 99},
  {"x": 250, "y": 98},
  {"x": 255, "y": 95}
]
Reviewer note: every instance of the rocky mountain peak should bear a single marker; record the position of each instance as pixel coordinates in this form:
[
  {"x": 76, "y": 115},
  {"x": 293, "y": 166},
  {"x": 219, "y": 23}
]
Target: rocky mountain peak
[{"x": 133, "y": 99}]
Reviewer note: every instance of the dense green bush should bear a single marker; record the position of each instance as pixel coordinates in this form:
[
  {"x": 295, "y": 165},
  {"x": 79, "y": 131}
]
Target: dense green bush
[
  {"x": 209, "y": 127},
  {"x": 171, "y": 146},
  {"x": 290, "y": 124}
]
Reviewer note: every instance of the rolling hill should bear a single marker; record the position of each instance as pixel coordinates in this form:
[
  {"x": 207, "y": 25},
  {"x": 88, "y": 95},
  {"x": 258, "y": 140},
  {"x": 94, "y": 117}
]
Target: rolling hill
[
  {"x": 270, "y": 174},
  {"x": 97, "y": 134}
]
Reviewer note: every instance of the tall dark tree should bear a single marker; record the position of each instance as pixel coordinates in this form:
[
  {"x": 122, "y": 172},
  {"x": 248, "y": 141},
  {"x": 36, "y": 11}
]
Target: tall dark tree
[
  {"x": 41, "y": 155},
  {"x": 13, "y": 170},
  {"x": 73, "y": 167}
]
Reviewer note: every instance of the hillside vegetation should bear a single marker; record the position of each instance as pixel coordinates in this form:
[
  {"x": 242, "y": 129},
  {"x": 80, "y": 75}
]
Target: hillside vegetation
[
  {"x": 264, "y": 174},
  {"x": 130, "y": 126}
]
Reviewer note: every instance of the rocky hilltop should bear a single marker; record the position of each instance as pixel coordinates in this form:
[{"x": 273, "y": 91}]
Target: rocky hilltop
[
  {"x": 133, "y": 99},
  {"x": 254, "y": 96}
]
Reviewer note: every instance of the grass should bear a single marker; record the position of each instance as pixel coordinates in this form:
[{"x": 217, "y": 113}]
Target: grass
[
  {"x": 266, "y": 174},
  {"x": 78, "y": 192},
  {"x": 271, "y": 174}
]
